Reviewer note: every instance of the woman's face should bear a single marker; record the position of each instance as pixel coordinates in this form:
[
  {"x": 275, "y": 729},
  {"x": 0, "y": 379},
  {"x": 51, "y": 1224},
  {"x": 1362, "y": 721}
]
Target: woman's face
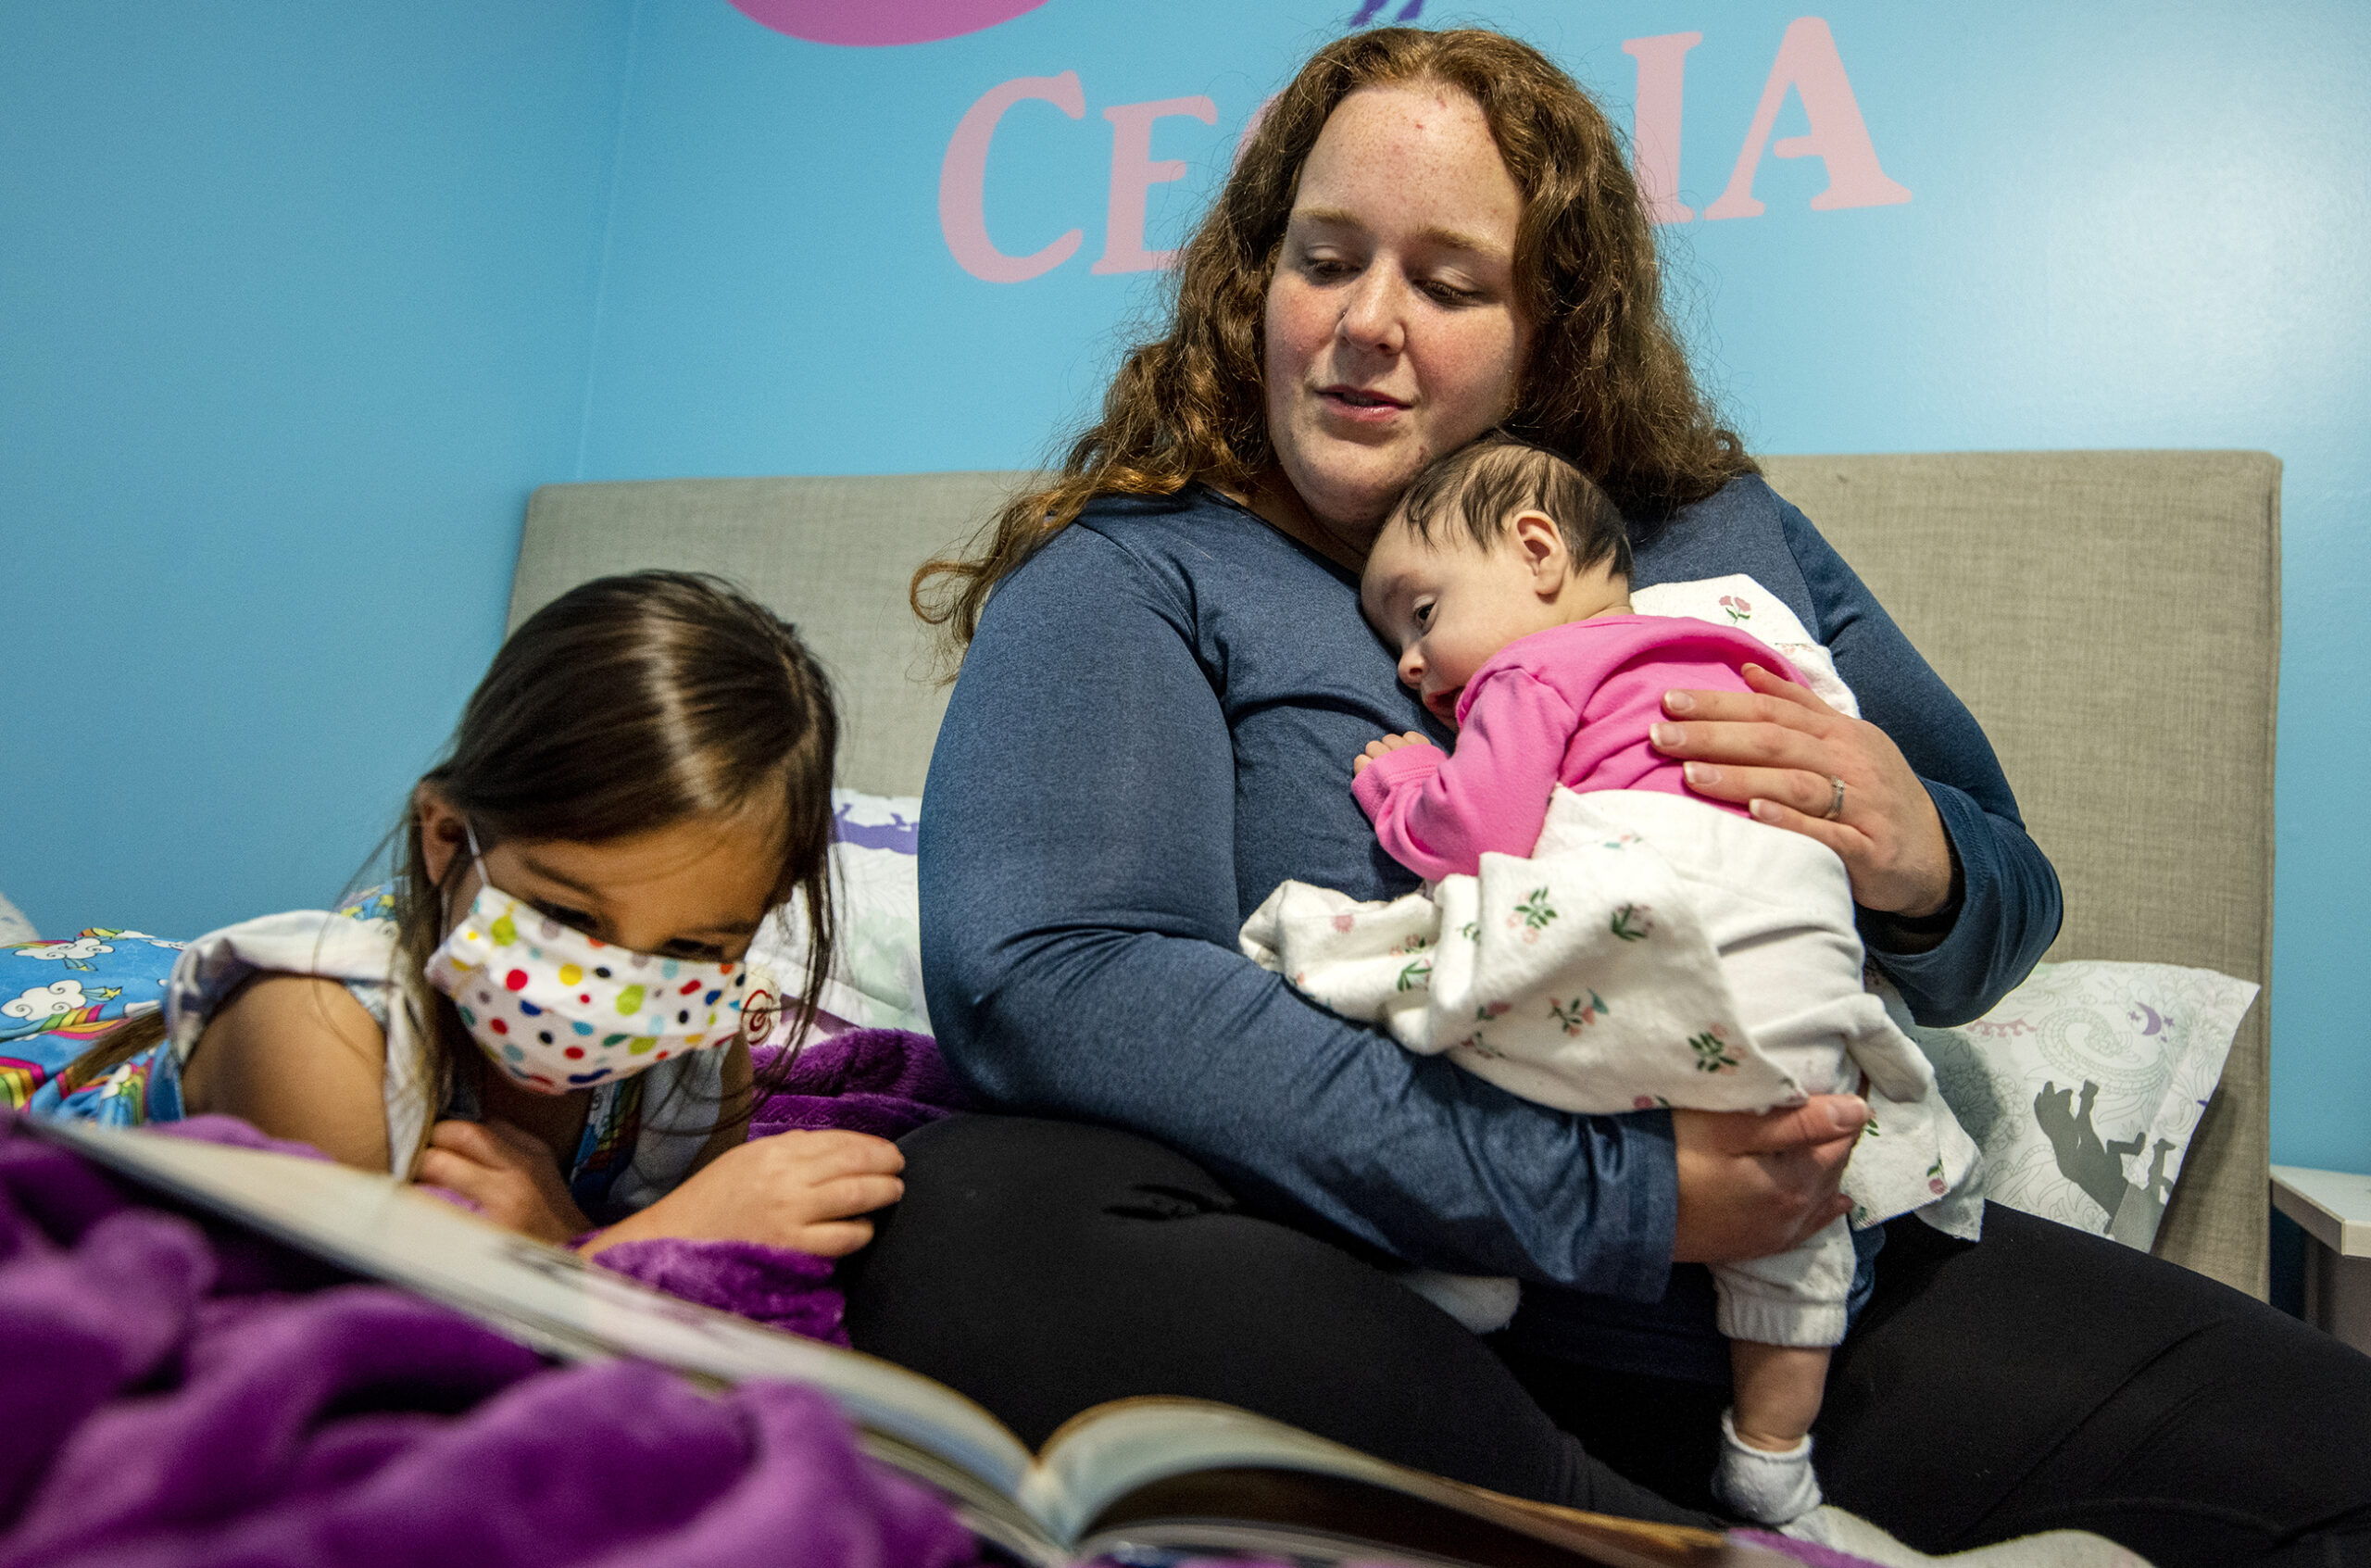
[{"x": 1393, "y": 334}]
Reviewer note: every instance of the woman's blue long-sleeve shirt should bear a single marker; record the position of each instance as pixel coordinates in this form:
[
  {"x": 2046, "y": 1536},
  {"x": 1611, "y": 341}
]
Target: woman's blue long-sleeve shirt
[{"x": 1154, "y": 726}]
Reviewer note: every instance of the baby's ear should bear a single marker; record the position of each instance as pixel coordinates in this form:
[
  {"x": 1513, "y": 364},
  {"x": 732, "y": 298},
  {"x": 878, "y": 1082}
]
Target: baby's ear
[{"x": 1542, "y": 544}]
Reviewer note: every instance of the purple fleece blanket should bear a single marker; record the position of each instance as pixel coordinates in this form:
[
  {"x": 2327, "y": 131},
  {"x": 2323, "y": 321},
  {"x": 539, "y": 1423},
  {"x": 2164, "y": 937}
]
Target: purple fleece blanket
[
  {"x": 184, "y": 1394},
  {"x": 885, "y": 1082}
]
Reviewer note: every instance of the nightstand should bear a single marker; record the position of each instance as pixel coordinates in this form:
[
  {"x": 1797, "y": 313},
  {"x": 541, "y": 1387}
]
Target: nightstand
[{"x": 2334, "y": 1207}]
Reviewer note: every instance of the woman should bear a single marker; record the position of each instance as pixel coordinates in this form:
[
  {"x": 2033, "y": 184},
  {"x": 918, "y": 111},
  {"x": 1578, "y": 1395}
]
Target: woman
[{"x": 1430, "y": 235}]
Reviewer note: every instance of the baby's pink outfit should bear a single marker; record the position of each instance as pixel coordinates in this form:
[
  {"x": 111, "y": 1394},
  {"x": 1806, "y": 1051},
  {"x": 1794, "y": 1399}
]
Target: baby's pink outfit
[{"x": 1569, "y": 705}]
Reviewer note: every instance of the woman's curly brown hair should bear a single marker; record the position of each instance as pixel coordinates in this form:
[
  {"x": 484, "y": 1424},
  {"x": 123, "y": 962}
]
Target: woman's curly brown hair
[{"x": 1606, "y": 385}]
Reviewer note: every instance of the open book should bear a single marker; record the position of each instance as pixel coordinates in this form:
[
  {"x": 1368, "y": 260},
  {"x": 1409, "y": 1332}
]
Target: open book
[{"x": 1140, "y": 1479}]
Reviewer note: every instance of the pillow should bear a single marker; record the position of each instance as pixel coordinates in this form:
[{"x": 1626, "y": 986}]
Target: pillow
[
  {"x": 877, "y": 979},
  {"x": 2084, "y": 1086},
  {"x": 58, "y": 996}
]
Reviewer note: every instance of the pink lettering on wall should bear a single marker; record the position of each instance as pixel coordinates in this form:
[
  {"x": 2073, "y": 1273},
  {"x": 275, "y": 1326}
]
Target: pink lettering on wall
[
  {"x": 873, "y": 24},
  {"x": 963, "y": 178},
  {"x": 1134, "y": 171},
  {"x": 1807, "y": 63},
  {"x": 1654, "y": 121}
]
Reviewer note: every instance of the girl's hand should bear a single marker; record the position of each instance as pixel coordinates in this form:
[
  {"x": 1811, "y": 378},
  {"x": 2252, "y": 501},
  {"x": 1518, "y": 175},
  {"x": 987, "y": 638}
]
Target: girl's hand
[
  {"x": 800, "y": 1190},
  {"x": 508, "y": 1172},
  {"x": 1384, "y": 748},
  {"x": 1776, "y": 750}
]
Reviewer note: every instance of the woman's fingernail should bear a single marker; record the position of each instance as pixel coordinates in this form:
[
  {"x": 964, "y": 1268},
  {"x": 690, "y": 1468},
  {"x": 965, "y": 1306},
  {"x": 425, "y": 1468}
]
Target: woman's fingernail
[
  {"x": 1667, "y": 734},
  {"x": 1848, "y": 1114},
  {"x": 1699, "y": 775},
  {"x": 1678, "y": 702},
  {"x": 1763, "y": 811}
]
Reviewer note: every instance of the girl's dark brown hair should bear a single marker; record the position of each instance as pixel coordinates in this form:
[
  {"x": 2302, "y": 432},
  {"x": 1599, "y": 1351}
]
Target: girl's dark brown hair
[
  {"x": 626, "y": 704},
  {"x": 1606, "y": 385}
]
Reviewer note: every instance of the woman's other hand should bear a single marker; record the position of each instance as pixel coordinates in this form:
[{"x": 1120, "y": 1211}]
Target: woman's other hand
[
  {"x": 1384, "y": 748},
  {"x": 1752, "y": 1186},
  {"x": 805, "y": 1191},
  {"x": 508, "y": 1172},
  {"x": 1777, "y": 750}
]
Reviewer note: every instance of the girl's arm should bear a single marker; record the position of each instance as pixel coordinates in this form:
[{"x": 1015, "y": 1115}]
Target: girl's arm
[
  {"x": 301, "y": 1058},
  {"x": 1439, "y": 815},
  {"x": 806, "y": 1191}
]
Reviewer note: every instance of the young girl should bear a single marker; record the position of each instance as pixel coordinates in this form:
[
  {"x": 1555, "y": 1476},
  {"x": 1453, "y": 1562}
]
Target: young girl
[
  {"x": 1637, "y": 945},
  {"x": 543, "y": 1011}
]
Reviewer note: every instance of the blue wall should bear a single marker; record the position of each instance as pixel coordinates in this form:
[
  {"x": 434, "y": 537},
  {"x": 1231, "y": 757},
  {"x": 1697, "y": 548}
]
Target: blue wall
[
  {"x": 290, "y": 351},
  {"x": 295, "y": 307}
]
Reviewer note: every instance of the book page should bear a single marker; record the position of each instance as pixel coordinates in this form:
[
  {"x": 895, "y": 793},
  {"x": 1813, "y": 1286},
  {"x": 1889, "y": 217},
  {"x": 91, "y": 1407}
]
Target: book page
[
  {"x": 551, "y": 1298},
  {"x": 1302, "y": 1515},
  {"x": 1110, "y": 1463}
]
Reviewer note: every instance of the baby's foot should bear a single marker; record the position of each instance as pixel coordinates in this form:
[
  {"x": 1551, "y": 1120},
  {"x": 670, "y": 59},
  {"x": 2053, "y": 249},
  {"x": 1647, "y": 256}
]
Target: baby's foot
[{"x": 1758, "y": 1484}]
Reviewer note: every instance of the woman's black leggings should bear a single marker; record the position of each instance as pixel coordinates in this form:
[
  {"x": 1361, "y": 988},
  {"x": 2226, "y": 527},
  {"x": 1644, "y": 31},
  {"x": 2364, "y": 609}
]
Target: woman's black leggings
[{"x": 2043, "y": 1379}]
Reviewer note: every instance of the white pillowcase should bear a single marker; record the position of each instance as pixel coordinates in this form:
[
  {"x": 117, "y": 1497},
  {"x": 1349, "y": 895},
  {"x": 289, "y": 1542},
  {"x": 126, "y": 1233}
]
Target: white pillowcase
[
  {"x": 2084, "y": 1086},
  {"x": 877, "y": 979}
]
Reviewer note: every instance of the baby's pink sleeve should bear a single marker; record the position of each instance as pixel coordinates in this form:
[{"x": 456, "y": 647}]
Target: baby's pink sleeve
[{"x": 1439, "y": 815}]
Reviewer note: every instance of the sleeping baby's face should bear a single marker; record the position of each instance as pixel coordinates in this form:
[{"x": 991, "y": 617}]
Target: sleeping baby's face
[{"x": 1448, "y": 605}]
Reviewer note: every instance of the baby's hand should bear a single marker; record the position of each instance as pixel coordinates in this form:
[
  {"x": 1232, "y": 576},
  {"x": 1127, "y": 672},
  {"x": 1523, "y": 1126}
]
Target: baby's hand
[{"x": 1386, "y": 745}]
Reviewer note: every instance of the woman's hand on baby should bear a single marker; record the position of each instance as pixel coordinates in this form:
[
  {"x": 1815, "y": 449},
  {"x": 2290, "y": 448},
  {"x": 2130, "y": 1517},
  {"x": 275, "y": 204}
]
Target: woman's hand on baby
[
  {"x": 1384, "y": 748},
  {"x": 1777, "y": 750},
  {"x": 1752, "y": 1186},
  {"x": 508, "y": 1172},
  {"x": 806, "y": 1191}
]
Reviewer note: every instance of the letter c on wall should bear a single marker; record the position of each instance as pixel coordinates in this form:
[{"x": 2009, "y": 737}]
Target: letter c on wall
[{"x": 963, "y": 178}]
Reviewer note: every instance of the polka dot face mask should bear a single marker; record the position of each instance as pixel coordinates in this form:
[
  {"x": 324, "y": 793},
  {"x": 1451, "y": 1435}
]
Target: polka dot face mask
[{"x": 557, "y": 1009}]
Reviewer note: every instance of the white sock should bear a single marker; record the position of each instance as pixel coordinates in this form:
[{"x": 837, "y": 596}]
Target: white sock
[{"x": 1756, "y": 1484}]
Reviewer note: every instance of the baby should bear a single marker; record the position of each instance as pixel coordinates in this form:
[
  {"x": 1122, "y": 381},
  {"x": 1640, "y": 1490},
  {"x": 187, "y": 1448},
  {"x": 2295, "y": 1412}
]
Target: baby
[{"x": 1597, "y": 938}]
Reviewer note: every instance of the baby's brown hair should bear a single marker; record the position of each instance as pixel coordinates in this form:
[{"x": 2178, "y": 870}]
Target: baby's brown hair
[{"x": 1491, "y": 480}]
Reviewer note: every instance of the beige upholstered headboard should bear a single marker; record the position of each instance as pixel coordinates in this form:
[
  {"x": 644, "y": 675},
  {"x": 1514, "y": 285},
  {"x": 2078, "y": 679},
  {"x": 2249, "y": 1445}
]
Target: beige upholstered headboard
[
  {"x": 832, "y": 556},
  {"x": 2113, "y": 619}
]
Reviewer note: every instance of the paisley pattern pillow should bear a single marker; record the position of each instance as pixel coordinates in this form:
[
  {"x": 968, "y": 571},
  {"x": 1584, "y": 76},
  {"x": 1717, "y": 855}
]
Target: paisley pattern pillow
[{"x": 2084, "y": 1086}]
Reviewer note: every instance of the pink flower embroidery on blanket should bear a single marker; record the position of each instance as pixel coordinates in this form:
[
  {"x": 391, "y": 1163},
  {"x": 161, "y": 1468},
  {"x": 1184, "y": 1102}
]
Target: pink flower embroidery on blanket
[
  {"x": 1712, "y": 1048},
  {"x": 1535, "y": 912}
]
